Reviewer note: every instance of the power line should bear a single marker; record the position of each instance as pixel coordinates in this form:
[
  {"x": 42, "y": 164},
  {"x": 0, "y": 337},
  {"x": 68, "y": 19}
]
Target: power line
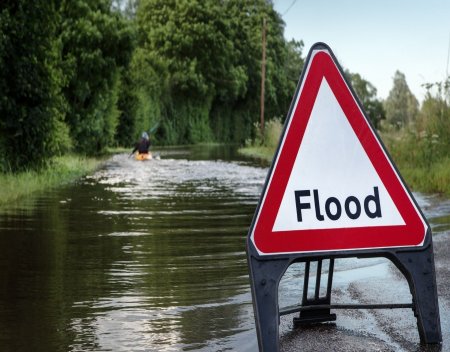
[{"x": 290, "y": 6}]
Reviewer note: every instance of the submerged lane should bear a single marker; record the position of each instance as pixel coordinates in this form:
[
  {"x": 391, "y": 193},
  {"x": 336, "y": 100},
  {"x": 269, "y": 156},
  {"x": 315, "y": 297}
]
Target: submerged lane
[
  {"x": 140, "y": 256},
  {"x": 149, "y": 256},
  {"x": 185, "y": 222}
]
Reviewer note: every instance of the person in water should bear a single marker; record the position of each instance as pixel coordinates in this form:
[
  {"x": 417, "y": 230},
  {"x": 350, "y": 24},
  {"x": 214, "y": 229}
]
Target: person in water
[{"x": 143, "y": 145}]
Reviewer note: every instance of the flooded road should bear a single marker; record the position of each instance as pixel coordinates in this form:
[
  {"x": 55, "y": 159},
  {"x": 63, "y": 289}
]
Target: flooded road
[{"x": 149, "y": 256}]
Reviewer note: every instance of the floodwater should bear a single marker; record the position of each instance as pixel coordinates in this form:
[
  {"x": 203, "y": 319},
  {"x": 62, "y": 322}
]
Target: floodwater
[{"x": 150, "y": 256}]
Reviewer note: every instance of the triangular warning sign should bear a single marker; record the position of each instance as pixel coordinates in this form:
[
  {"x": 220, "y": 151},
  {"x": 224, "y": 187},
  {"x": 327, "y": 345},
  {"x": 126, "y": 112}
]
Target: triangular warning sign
[{"x": 332, "y": 186}]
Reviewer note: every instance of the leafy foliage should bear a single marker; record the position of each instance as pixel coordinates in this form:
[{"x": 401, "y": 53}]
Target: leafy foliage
[
  {"x": 212, "y": 55},
  {"x": 193, "y": 38},
  {"x": 96, "y": 43},
  {"x": 422, "y": 149},
  {"x": 32, "y": 127},
  {"x": 367, "y": 94},
  {"x": 401, "y": 105},
  {"x": 283, "y": 66},
  {"x": 433, "y": 123}
]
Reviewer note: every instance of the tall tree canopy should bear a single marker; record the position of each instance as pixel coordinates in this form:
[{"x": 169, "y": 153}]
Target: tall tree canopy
[
  {"x": 32, "y": 125},
  {"x": 60, "y": 66},
  {"x": 401, "y": 105},
  {"x": 194, "y": 38},
  {"x": 96, "y": 43},
  {"x": 212, "y": 56},
  {"x": 367, "y": 93}
]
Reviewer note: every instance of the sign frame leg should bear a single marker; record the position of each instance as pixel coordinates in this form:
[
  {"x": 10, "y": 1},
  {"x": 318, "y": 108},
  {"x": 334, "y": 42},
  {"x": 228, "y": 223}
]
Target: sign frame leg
[
  {"x": 265, "y": 277},
  {"x": 419, "y": 270}
]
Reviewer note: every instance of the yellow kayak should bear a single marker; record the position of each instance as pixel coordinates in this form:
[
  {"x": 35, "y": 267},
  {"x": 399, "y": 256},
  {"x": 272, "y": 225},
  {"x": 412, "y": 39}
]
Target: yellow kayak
[{"x": 143, "y": 156}]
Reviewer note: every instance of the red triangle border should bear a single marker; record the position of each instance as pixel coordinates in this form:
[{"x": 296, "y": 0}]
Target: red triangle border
[{"x": 322, "y": 66}]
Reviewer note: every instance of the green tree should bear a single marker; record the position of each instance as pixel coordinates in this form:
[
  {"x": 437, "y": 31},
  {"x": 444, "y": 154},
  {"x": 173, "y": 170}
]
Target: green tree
[
  {"x": 234, "y": 119},
  {"x": 280, "y": 88},
  {"x": 96, "y": 43},
  {"x": 127, "y": 105},
  {"x": 294, "y": 61},
  {"x": 192, "y": 39},
  {"x": 212, "y": 53},
  {"x": 401, "y": 105},
  {"x": 144, "y": 96},
  {"x": 32, "y": 127},
  {"x": 367, "y": 94}
]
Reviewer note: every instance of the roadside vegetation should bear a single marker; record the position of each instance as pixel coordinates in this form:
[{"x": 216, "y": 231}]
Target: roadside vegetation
[
  {"x": 58, "y": 171},
  {"x": 421, "y": 147},
  {"x": 265, "y": 142},
  {"x": 417, "y": 137}
]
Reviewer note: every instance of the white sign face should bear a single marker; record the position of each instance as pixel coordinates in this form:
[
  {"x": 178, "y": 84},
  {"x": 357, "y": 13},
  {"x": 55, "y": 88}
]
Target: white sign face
[
  {"x": 333, "y": 183},
  {"x": 332, "y": 186}
]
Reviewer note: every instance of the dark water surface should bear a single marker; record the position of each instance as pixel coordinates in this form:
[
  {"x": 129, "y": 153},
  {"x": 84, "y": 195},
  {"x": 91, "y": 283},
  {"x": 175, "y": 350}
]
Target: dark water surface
[{"x": 139, "y": 256}]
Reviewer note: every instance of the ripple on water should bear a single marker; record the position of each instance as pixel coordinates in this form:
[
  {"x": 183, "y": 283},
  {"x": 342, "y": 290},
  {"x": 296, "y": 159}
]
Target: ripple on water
[{"x": 181, "y": 225}]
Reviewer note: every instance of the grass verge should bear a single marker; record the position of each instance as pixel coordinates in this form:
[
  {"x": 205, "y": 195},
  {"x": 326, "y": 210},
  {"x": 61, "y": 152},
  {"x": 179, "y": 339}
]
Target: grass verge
[
  {"x": 61, "y": 170},
  {"x": 432, "y": 179},
  {"x": 264, "y": 153}
]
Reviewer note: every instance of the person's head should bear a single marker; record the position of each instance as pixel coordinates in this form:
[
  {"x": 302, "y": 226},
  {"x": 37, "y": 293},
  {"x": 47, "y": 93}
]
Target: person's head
[{"x": 145, "y": 136}]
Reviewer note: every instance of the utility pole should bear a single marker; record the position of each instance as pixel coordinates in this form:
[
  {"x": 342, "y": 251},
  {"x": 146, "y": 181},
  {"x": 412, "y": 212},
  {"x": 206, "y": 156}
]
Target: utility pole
[{"x": 263, "y": 75}]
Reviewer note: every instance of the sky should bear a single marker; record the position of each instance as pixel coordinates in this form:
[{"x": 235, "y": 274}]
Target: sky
[{"x": 376, "y": 38}]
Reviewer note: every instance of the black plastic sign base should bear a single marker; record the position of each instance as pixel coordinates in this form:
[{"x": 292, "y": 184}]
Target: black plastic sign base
[{"x": 416, "y": 265}]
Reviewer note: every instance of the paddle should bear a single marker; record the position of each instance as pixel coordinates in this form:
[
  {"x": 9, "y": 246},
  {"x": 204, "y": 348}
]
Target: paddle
[{"x": 154, "y": 128}]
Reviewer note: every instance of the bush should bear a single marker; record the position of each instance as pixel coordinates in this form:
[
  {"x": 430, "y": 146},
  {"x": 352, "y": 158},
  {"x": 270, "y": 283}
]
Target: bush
[
  {"x": 272, "y": 133},
  {"x": 421, "y": 150},
  {"x": 32, "y": 127}
]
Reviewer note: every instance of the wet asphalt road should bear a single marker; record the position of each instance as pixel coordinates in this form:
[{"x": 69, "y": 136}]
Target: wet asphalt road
[{"x": 372, "y": 281}]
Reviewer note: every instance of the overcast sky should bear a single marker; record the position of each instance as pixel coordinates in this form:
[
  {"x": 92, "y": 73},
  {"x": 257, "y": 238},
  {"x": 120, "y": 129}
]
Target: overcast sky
[{"x": 376, "y": 38}]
